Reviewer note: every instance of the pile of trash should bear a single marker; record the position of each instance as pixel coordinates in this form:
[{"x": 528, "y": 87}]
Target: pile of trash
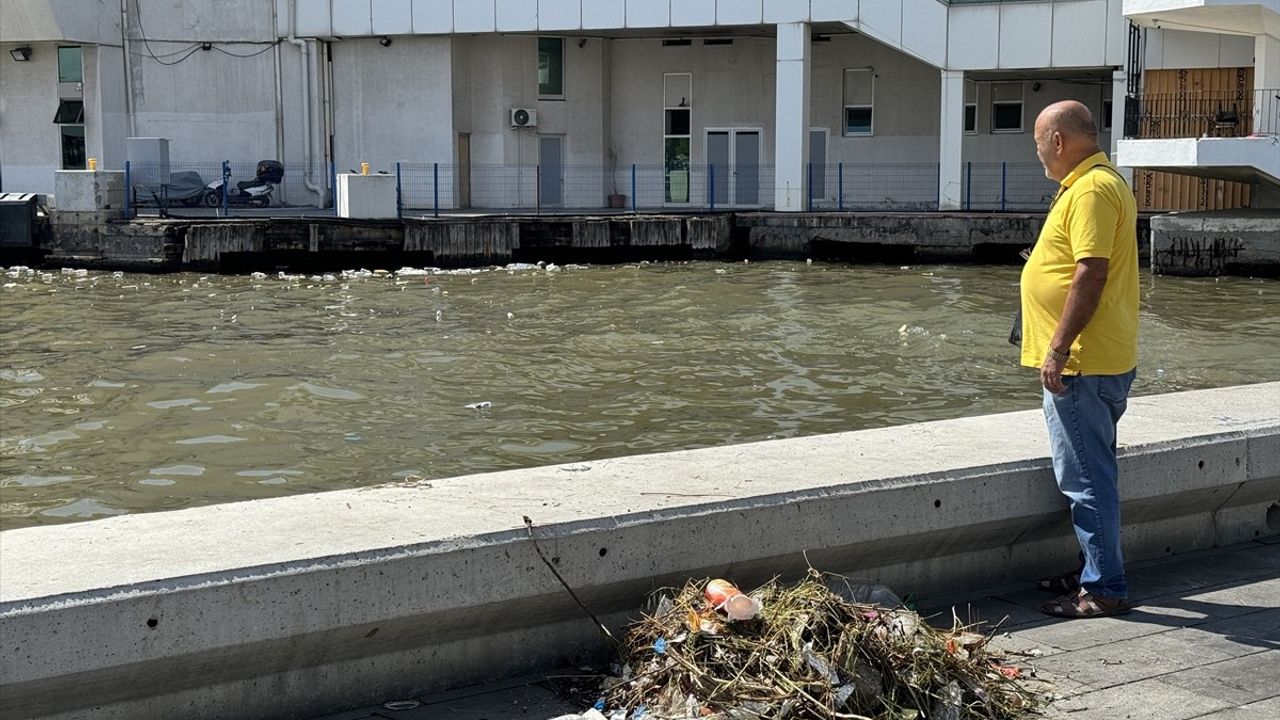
[{"x": 817, "y": 649}]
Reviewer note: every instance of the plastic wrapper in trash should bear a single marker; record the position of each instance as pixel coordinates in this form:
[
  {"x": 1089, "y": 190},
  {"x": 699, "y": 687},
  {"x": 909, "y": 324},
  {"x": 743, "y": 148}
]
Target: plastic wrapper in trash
[
  {"x": 864, "y": 593},
  {"x": 950, "y": 705}
]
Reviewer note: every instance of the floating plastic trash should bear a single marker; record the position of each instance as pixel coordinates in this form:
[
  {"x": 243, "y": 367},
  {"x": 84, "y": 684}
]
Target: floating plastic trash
[{"x": 479, "y": 405}]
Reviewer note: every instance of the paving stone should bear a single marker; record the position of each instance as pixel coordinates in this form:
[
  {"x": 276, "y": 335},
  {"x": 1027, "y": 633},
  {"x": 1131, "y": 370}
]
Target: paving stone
[
  {"x": 1082, "y": 634},
  {"x": 1128, "y": 661},
  {"x": 1256, "y": 594},
  {"x": 1020, "y": 649},
  {"x": 1268, "y": 709},
  {"x": 1145, "y": 700},
  {"x": 989, "y": 612},
  {"x": 1180, "y": 573},
  {"x": 1241, "y": 634},
  {"x": 1237, "y": 681}
]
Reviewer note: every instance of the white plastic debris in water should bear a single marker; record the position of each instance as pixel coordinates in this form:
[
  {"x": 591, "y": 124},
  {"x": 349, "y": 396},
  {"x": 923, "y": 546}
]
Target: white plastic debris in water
[
  {"x": 553, "y": 268},
  {"x": 511, "y": 316},
  {"x": 258, "y": 276},
  {"x": 439, "y": 315},
  {"x": 484, "y": 405}
]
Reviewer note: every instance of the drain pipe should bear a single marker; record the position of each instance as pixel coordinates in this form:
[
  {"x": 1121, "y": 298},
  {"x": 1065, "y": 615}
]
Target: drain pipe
[
  {"x": 275, "y": 56},
  {"x": 129, "y": 110},
  {"x": 306, "y": 102}
]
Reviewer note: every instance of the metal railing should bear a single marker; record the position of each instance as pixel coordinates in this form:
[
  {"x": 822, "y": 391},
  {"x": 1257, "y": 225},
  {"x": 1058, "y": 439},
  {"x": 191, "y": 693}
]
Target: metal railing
[
  {"x": 191, "y": 189},
  {"x": 1006, "y": 186},
  {"x": 1203, "y": 113}
]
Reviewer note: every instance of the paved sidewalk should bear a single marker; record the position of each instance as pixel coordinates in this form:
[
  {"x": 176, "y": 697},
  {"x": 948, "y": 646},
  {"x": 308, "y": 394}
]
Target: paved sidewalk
[{"x": 1203, "y": 643}]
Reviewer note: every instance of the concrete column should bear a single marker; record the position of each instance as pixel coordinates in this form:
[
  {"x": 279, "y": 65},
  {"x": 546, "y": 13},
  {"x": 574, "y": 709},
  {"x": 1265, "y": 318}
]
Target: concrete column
[
  {"x": 791, "y": 123},
  {"x": 1266, "y": 76},
  {"x": 1119, "y": 87},
  {"x": 950, "y": 137}
]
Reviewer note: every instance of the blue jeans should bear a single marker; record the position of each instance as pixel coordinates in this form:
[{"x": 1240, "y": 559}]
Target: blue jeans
[{"x": 1082, "y": 435}]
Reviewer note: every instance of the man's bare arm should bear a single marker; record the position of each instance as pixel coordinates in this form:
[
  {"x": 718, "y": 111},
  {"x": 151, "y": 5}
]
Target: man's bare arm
[{"x": 1082, "y": 302}]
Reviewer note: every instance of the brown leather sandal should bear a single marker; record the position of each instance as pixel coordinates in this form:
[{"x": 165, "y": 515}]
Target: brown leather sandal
[
  {"x": 1065, "y": 583},
  {"x": 1083, "y": 604}
]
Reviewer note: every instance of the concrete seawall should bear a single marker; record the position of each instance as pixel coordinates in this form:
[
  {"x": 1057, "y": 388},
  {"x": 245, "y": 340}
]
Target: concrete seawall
[
  {"x": 1223, "y": 242},
  {"x": 297, "y": 606},
  {"x": 245, "y": 244}
]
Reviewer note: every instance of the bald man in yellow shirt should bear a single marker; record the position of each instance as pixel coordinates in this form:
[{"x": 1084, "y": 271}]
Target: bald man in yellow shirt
[{"x": 1080, "y": 330}]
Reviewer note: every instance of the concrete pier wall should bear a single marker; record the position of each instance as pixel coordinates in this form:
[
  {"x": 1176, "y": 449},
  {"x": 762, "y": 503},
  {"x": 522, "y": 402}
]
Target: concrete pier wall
[
  {"x": 1229, "y": 242},
  {"x": 266, "y": 243},
  {"x": 245, "y": 244},
  {"x": 297, "y": 606},
  {"x": 899, "y": 235}
]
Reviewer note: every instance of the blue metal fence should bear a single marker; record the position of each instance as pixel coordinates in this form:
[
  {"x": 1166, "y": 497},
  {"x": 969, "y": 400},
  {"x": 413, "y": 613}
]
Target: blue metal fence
[{"x": 1006, "y": 186}]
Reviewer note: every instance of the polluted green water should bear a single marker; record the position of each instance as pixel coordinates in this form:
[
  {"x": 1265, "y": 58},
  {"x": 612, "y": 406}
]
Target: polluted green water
[{"x": 124, "y": 393}]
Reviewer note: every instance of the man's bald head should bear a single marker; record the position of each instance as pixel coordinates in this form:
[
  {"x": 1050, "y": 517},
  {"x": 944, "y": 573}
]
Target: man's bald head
[
  {"x": 1071, "y": 118},
  {"x": 1065, "y": 135}
]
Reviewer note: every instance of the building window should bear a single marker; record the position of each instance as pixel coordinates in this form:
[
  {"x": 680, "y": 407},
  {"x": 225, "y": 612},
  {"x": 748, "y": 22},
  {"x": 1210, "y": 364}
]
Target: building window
[
  {"x": 970, "y": 107},
  {"x": 70, "y": 112},
  {"x": 1006, "y": 108},
  {"x": 550, "y": 67},
  {"x": 1106, "y": 116},
  {"x": 70, "y": 68},
  {"x": 73, "y": 147},
  {"x": 677, "y": 106},
  {"x": 859, "y": 102}
]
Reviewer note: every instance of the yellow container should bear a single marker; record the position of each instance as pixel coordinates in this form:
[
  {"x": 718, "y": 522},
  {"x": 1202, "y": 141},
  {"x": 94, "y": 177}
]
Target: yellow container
[
  {"x": 93, "y": 163},
  {"x": 364, "y": 168}
]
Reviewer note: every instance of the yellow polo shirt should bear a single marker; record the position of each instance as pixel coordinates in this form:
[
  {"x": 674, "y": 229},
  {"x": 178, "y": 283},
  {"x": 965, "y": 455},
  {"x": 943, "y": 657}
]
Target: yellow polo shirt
[{"x": 1094, "y": 216}]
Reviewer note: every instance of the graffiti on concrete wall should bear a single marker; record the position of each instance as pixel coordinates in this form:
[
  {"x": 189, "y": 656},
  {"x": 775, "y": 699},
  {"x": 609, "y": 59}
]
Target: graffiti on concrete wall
[{"x": 1208, "y": 255}]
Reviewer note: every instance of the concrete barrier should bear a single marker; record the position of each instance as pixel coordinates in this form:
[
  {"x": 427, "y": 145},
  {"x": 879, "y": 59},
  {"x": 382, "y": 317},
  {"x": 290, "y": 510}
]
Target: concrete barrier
[
  {"x": 298, "y": 606},
  {"x": 1218, "y": 242}
]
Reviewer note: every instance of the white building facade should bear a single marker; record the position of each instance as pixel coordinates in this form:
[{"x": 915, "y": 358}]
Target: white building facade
[{"x": 783, "y": 104}]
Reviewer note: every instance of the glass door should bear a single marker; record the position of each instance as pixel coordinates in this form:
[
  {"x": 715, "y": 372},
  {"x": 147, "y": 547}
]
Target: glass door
[
  {"x": 733, "y": 167},
  {"x": 746, "y": 168}
]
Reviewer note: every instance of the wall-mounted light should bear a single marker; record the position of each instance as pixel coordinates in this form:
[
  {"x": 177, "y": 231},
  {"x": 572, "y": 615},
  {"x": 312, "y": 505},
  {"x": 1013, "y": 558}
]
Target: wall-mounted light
[
  {"x": 582, "y": 42},
  {"x": 1035, "y": 87},
  {"x": 21, "y": 54},
  {"x": 384, "y": 41}
]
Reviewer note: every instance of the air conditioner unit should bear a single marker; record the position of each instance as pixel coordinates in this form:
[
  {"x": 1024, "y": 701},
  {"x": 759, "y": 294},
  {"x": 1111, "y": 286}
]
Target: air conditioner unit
[{"x": 524, "y": 117}]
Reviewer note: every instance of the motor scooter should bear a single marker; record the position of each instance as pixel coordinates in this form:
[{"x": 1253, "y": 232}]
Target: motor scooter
[{"x": 255, "y": 192}]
